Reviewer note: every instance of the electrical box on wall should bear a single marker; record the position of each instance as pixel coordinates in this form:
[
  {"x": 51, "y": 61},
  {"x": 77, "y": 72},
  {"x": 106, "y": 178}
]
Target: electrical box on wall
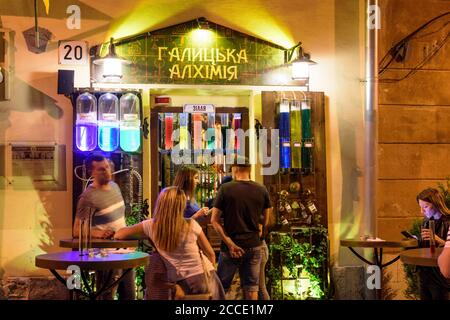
[{"x": 35, "y": 166}]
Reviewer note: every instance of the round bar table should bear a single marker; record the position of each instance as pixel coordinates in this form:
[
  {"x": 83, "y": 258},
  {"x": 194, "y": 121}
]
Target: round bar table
[
  {"x": 100, "y": 243},
  {"x": 62, "y": 261},
  {"x": 377, "y": 247},
  {"x": 423, "y": 257}
]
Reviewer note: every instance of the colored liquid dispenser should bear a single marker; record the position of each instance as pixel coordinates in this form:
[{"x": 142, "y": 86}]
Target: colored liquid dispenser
[
  {"x": 211, "y": 132},
  {"x": 225, "y": 125},
  {"x": 130, "y": 132},
  {"x": 86, "y": 122},
  {"x": 168, "y": 129},
  {"x": 184, "y": 134},
  {"x": 197, "y": 130},
  {"x": 306, "y": 135},
  {"x": 108, "y": 124},
  {"x": 285, "y": 132},
  {"x": 296, "y": 134},
  {"x": 236, "y": 126}
]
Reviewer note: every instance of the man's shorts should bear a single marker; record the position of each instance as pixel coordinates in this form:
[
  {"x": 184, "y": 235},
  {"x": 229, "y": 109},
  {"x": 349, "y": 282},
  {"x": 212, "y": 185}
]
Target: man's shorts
[{"x": 248, "y": 265}]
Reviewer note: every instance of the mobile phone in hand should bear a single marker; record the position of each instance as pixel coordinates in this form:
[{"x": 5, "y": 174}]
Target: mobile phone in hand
[{"x": 409, "y": 235}]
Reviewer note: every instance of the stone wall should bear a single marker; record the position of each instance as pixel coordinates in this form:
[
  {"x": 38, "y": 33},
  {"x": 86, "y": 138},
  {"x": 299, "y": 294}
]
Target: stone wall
[
  {"x": 32, "y": 288},
  {"x": 414, "y": 120}
]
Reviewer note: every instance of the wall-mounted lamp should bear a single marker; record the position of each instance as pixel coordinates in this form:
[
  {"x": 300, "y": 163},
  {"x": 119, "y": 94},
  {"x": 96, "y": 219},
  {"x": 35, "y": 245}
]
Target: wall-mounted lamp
[
  {"x": 202, "y": 34},
  {"x": 300, "y": 66},
  {"x": 112, "y": 64},
  {"x": 202, "y": 24}
]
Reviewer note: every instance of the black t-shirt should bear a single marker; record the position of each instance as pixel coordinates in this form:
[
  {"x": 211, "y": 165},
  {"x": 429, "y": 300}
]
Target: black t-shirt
[{"x": 242, "y": 204}]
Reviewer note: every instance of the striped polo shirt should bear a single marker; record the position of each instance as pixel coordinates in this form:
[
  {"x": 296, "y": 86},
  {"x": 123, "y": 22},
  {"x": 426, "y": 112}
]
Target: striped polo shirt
[{"x": 107, "y": 206}]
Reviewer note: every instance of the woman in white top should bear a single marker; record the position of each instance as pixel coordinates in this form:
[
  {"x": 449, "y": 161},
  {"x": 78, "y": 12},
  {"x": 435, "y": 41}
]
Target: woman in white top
[{"x": 178, "y": 240}]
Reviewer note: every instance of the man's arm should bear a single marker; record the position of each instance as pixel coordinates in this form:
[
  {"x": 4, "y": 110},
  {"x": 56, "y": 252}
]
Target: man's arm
[
  {"x": 444, "y": 258},
  {"x": 267, "y": 212},
  {"x": 95, "y": 232},
  {"x": 84, "y": 208},
  {"x": 266, "y": 221},
  {"x": 235, "y": 251},
  {"x": 444, "y": 262}
]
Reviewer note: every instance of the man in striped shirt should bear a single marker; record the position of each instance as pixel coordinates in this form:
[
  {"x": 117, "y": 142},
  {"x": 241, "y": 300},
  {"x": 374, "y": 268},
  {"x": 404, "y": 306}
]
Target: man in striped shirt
[
  {"x": 444, "y": 258},
  {"x": 103, "y": 199}
]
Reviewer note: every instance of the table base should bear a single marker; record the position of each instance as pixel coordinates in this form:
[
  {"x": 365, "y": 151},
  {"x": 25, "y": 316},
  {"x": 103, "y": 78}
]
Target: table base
[{"x": 92, "y": 294}]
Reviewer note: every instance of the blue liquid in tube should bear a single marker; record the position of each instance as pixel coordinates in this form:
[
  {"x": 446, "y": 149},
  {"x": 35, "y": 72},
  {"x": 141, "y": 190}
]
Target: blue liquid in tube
[
  {"x": 130, "y": 138},
  {"x": 108, "y": 137},
  {"x": 130, "y": 134},
  {"x": 285, "y": 134}
]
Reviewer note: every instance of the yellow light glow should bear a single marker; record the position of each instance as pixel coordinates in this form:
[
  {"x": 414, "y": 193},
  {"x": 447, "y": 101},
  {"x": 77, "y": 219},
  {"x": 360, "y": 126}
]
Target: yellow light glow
[
  {"x": 251, "y": 18},
  {"x": 202, "y": 37}
]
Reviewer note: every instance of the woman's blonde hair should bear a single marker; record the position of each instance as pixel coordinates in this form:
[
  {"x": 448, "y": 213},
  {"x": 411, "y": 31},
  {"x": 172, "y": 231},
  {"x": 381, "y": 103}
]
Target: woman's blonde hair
[
  {"x": 185, "y": 180},
  {"x": 434, "y": 197},
  {"x": 169, "y": 225}
]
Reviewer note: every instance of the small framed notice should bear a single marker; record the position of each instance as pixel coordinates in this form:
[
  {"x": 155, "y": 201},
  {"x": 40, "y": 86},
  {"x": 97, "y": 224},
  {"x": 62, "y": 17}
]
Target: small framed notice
[{"x": 199, "y": 108}]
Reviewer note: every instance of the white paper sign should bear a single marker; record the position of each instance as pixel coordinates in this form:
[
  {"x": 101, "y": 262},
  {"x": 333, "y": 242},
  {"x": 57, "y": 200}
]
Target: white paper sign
[
  {"x": 199, "y": 108},
  {"x": 73, "y": 53}
]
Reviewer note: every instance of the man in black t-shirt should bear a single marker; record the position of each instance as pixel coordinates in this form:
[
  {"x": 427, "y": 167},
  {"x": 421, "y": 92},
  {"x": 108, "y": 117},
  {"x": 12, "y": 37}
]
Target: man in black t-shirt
[{"x": 241, "y": 203}]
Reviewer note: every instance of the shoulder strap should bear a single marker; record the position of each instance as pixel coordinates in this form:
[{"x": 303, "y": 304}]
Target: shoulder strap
[{"x": 205, "y": 271}]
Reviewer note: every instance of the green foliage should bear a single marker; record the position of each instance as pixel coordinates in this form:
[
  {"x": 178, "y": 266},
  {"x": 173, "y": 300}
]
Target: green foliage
[
  {"x": 412, "y": 278},
  {"x": 387, "y": 293},
  {"x": 135, "y": 216},
  {"x": 305, "y": 250},
  {"x": 445, "y": 191}
]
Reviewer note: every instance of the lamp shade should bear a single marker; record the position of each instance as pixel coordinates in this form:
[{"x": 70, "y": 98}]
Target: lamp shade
[
  {"x": 112, "y": 64},
  {"x": 300, "y": 67}
]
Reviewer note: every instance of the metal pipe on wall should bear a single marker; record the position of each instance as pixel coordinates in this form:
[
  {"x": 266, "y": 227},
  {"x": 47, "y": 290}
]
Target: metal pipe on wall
[{"x": 370, "y": 119}]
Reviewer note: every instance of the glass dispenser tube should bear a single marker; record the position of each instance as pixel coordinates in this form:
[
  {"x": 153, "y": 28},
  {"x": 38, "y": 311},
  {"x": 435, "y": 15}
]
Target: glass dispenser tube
[
  {"x": 306, "y": 135},
  {"x": 168, "y": 129},
  {"x": 296, "y": 134},
  {"x": 130, "y": 123},
  {"x": 86, "y": 122},
  {"x": 184, "y": 131},
  {"x": 108, "y": 134},
  {"x": 284, "y": 128}
]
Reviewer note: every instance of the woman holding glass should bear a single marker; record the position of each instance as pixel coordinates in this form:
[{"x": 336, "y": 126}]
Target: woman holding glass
[{"x": 437, "y": 217}]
